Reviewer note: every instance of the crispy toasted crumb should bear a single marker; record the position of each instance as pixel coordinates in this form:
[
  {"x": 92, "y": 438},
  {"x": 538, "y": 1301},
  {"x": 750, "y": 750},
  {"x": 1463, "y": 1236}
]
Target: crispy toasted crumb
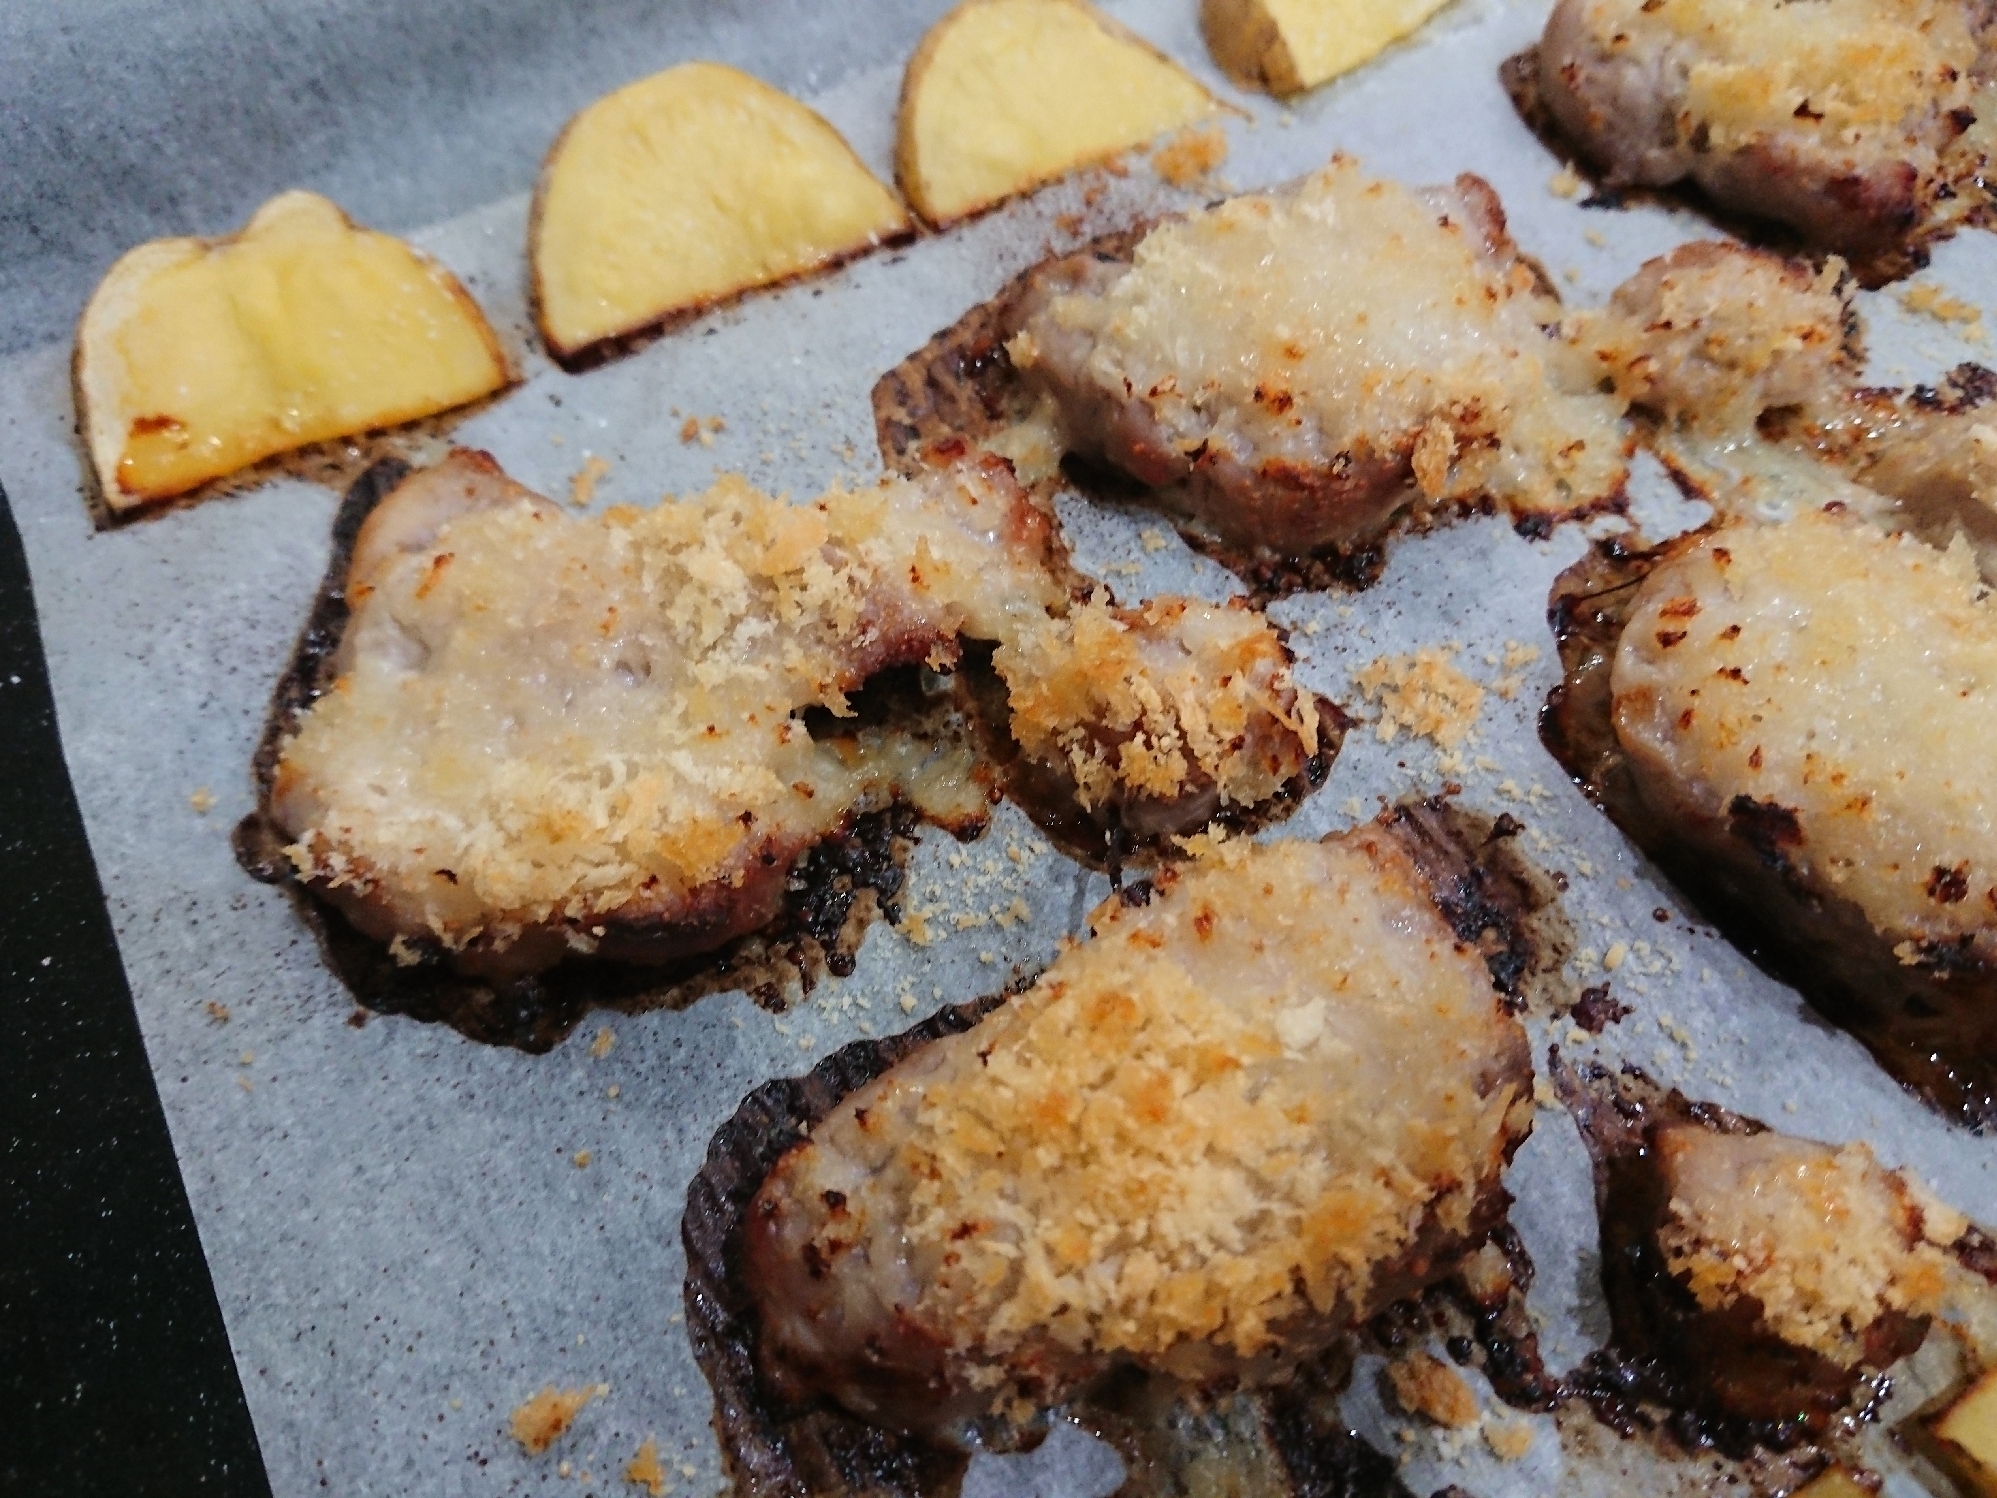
[
  {"x": 202, "y": 800},
  {"x": 582, "y": 487},
  {"x": 541, "y": 1419},
  {"x": 1190, "y": 155},
  {"x": 582, "y": 1159},
  {"x": 218, "y": 1012},
  {"x": 644, "y": 1469},
  {"x": 604, "y": 1044},
  {"x": 1566, "y": 182},
  {"x": 1509, "y": 1440},
  {"x": 1425, "y": 1385},
  {"x": 1423, "y": 694},
  {"x": 641, "y": 750}
]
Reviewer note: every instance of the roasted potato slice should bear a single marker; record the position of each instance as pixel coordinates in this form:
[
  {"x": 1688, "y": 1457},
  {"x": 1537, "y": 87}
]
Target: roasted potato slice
[
  {"x": 1288, "y": 46},
  {"x": 196, "y": 357},
  {"x": 1004, "y": 95},
  {"x": 1962, "y": 1438},
  {"x": 683, "y": 189}
]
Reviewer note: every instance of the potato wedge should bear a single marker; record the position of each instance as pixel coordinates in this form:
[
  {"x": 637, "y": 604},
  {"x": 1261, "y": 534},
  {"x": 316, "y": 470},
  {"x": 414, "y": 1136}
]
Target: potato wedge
[
  {"x": 1287, "y": 46},
  {"x": 1962, "y": 1438},
  {"x": 685, "y": 188},
  {"x": 1004, "y": 95},
  {"x": 197, "y": 357}
]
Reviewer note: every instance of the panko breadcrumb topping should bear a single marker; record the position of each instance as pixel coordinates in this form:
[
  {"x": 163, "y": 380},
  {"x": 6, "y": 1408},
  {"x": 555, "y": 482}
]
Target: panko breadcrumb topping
[
  {"x": 1160, "y": 702},
  {"x": 1826, "y": 1239},
  {"x": 1221, "y": 1123},
  {"x": 1421, "y": 694}
]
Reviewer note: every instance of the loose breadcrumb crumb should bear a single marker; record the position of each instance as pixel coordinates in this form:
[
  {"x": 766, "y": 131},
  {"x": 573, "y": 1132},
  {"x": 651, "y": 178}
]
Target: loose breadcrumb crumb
[
  {"x": 644, "y": 1470},
  {"x": 1423, "y": 694},
  {"x": 582, "y": 487},
  {"x": 604, "y": 1044},
  {"x": 218, "y": 1012},
  {"x": 1425, "y": 1385},
  {"x": 1566, "y": 182},
  {"x": 540, "y": 1421},
  {"x": 203, "y": 800},
  {"x": 1190, "y": 155},
  {"x": 582, "y": 1159},
  {"x": 1510, "y": 1440},
  {"x": 1929, "y": 300}
]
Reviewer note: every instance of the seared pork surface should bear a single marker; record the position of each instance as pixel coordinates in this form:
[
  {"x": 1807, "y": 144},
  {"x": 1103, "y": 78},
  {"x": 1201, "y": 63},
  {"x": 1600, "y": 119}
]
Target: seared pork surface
[
  {"x": 549, "y": 734},
  {"x": 1856, "y": 123},
  {"x": 1813, "y": 692},
  {"x": 1291, "y": 369},
  {"x": 1256, "y": 1107}
]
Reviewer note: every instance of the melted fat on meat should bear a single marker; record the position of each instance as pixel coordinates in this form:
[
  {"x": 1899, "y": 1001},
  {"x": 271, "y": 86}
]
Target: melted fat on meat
[
  {"x": 1241, "y": 1117},
  {"x": 1826, "y": 1239},
  {"x": 1160, "y": 701},
  {"x": 542, "y": 718},
  {"x": 1340, "y": 320},
  {"x": 1843, "y": 679}
]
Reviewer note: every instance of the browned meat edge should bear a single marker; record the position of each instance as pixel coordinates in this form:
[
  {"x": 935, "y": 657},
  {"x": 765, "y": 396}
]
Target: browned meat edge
[{"x": 1933, "y": 1027}]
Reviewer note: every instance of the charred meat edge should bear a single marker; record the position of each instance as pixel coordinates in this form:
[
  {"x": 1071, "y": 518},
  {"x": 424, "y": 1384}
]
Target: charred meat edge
[
  {"x": 1933, "y": 1027},
  {"x": 803, "y": 1451}
]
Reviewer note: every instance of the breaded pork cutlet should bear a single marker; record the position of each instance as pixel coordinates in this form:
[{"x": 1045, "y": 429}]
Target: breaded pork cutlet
[
  {"x": 1247, "y": 1114},
  {"x": 548, "y": 734},
  {"x": 1290, "y": 370},
  {"x": 1858, "y": 124}
]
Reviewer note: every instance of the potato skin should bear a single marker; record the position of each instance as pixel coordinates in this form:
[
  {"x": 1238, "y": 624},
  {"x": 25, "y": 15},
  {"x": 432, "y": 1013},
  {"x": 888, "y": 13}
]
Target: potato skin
[{"x": 1249, "y": 47}]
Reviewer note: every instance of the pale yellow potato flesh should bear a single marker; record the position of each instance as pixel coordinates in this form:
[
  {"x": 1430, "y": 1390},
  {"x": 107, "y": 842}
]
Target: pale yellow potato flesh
[
  {"x": 1004, "y": 95},
  {"x": 688, "y": 187},
  {"x": 1833, "y": 1482},
  {"x": 1963, "y": 1438},
  {"x": 195, "y": 358},
  {"x": 1287, "y": 46}
]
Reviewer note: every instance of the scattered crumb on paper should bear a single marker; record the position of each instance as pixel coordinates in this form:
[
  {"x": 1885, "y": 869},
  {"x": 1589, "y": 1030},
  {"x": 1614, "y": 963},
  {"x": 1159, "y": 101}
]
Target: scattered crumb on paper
[
  {"x": 582, "y": 487},
  {"x": 1425, "y": 1385},
  {"x": 1423, "y": 694},
  {"x": 1190, "y": 155},
  {"x": 539, "y": 1422},
  {"x": 644, "y": 1470},
  {"x": 604, "y": 1044},
  {"x": 203, "y": 800}
]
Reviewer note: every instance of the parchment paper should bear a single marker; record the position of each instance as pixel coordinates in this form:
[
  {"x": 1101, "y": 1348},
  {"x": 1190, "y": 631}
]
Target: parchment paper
[{"x": 402, "y": 1240}]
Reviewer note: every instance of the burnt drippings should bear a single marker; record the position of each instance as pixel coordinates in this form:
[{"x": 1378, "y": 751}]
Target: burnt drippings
[
  {"x": 1597, "y": 1009},
  {"x": 1321, "y": 1455},
  {"x": 1492, "y": 898},
  {"x": 1931, "y": 1023}
]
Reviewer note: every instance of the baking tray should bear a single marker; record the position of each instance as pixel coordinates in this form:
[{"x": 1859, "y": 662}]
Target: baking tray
[{"x": 401, "y": 1242}]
